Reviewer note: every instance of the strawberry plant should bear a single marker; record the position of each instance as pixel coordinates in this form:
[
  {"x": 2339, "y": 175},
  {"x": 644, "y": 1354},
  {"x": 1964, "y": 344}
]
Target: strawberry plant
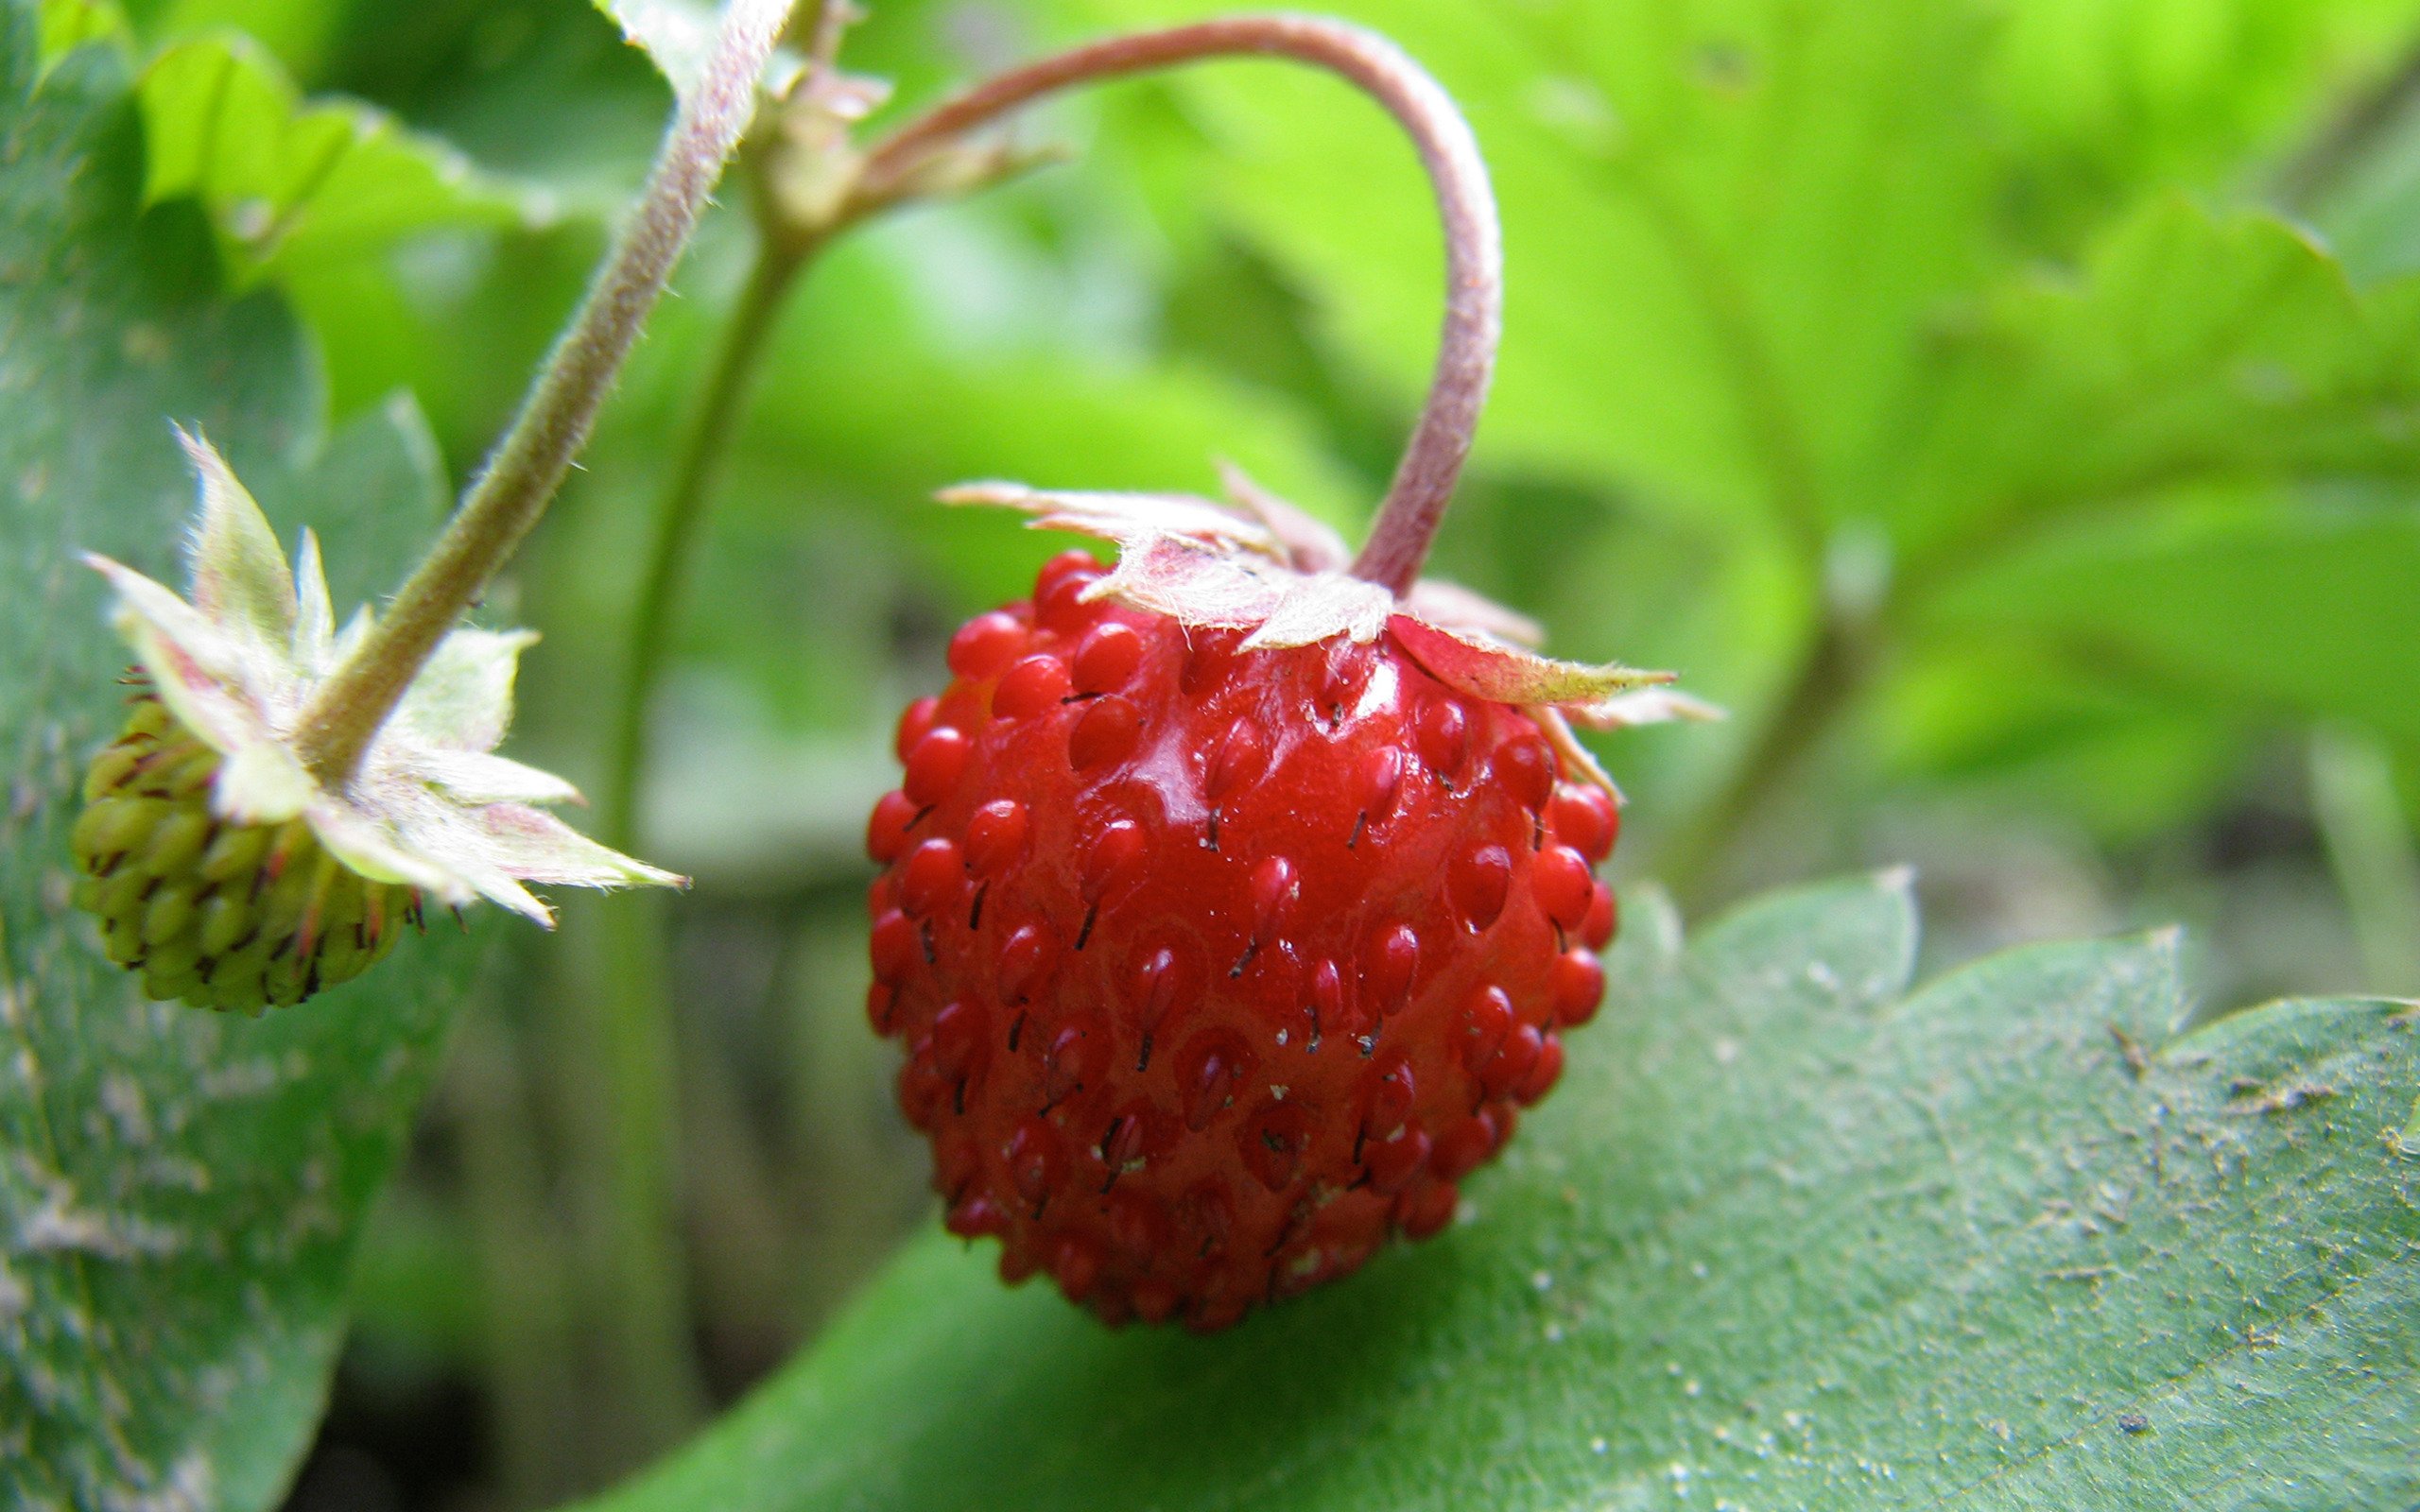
[{"x": 1948, "y": 1040}]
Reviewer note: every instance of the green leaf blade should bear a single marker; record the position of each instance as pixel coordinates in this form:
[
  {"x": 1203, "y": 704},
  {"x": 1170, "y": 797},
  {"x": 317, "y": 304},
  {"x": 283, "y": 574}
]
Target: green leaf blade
[
  {"x": 2304, "y": 610},
  {"x": 1790, "y": 1234},
  {"x": 2192, "y": 350},
  {"x": 678, "y": 37},
  {"x": 179, "y": 1191},
  {"x": 292, "y": 186}
]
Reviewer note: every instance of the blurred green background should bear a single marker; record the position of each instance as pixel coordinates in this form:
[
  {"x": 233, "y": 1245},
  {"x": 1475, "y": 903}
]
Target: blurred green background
[{"x": 2009, "y": 411}]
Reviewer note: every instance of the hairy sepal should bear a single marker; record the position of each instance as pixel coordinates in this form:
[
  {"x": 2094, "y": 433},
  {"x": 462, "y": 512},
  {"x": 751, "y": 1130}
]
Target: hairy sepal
[
  {"x": 237, "y": 659},
  {"x": 1263, "y": 566}
]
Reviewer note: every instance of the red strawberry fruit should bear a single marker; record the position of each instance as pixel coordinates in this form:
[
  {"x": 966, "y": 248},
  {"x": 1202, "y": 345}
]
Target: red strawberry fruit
[
  {"x": 1218, "y": 962},
  {"x": 1236, "y": 898}
]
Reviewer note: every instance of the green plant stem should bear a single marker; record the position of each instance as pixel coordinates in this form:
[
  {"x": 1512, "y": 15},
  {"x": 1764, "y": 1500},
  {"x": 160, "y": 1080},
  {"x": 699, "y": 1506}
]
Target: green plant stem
[
  {"x": 673, "y": 530},
  {"x": 2370, "y": 846},
  {"x": 2358, "y": 129},
  {"x": 527, "y": 1332},
  {"x": 625, "y": 1125},
  {"x": 625, "y": 1133},
  {"x": 521, "y": 477},
  {"x": 1826, "y": 682}
]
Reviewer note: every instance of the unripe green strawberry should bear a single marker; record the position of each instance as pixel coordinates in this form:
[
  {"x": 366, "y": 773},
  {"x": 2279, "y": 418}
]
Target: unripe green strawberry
[
  {"x": 228, "y": 870},
  {"x": 219, "y": 914}
]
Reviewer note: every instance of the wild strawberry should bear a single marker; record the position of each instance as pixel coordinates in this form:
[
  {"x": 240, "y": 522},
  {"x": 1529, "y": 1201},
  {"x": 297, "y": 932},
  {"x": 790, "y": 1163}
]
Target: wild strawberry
[
  {"x": 1236, "y": 898},
  {"x": 1221, "y": 954},
  {"x": 221, "y": 915},
  {"x": 222, "y": 868}
]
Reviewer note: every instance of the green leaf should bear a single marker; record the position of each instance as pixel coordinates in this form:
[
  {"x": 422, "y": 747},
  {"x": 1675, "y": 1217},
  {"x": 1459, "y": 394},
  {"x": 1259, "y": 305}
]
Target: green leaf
[
  {"x": 2306, "y": 610},
  {"x": 1723, "y": 222},
  {"x": 179, "y": 1191},
  {"x": 678, "y": 36},
  {"x": 2191, "y": 350},
  {"x": 297, "y": 187},
  {"x": 299, "y": 33},
  {"x": 1790, "y": 1235},
  {"x": 67, "y": 25},
  {"x": 1732, "y": 228},
  {"x": 2000, "y": 718},
  {"x": 2106, "y": 99}
]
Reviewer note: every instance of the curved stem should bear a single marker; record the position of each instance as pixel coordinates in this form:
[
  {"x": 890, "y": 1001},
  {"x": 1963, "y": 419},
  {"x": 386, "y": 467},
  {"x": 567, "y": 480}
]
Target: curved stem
[
  {"x": 528, "y": 464},
  {"x": 673, "y": 532},
  {"x": 1423, "y": 480}
]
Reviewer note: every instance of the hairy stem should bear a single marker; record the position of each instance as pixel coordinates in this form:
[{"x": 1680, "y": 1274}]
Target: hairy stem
[
  {"x": 509, "y": 494},
  {"x": 2370, "y": 848},
  {"x": 1423, "y": 480},
  {"x": 673, "y": 532}
]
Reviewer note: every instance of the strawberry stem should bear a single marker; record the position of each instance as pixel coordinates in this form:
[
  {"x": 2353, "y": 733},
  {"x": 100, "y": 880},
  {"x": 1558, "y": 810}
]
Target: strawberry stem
[
  {"x": 674, "y": 528},
  {"x": 556, "y": 417},
  {"x": 1423, "y": 480}
]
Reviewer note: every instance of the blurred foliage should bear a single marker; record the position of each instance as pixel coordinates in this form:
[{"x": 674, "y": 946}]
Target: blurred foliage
[
  {"x": 180, "y": 1191},
  {"x": 2009, "y": 411}
]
